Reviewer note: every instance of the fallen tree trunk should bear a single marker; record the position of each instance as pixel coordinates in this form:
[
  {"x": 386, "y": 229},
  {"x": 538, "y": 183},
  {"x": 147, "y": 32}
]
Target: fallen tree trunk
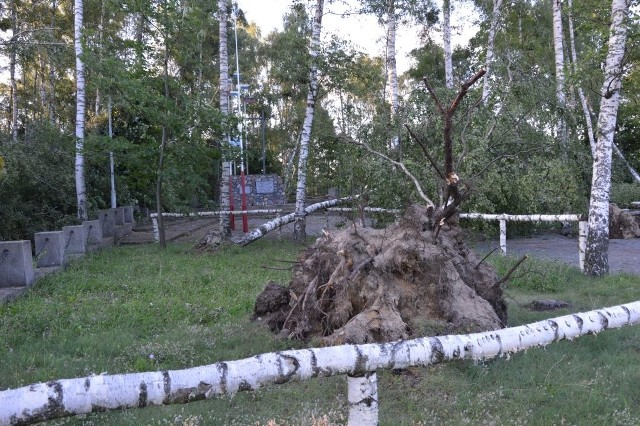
[
  {"x": 69, "y": 397},
  {"x": 264, "y": 229}
]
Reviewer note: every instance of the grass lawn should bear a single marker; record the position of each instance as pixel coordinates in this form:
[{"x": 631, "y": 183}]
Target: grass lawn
[{"x": 129, "y": 309}]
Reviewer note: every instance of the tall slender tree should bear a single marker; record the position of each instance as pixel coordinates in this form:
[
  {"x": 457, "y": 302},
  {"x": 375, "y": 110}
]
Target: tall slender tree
[
  {"x": 225, "y": 221},
  {"x": 446, "y": 32},
  {"x": 597, "y": 250},
  {"x": 299, "y": 228},
  {"x": 392, "y": 68},
  {"x": 558, "y": 47},
  {"x": 81, "y": 192},
  {"x": 495, "y": 17}
]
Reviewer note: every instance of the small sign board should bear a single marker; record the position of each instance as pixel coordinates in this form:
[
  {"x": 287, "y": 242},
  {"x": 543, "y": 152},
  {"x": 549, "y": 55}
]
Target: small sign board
[{"x": 265, "y": 186}]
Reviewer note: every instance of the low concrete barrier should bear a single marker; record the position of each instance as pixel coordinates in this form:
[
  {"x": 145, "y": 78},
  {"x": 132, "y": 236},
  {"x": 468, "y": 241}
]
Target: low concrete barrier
[
  {"x": 16, "y": 264},
  {"x": 54, "y": 248},
  {"x": 75, "y": 240},
  {"x": 49, "y": 249}
]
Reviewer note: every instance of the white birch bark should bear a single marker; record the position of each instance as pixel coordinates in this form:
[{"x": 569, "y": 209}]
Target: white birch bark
[
  {"x": 525, "y": 217},
  {"x": 495, "y": 17},
  {"x": 597, "y": 250},
  {"x": 225, "y": 221},
  {"x": 69, "y": 397},
  {"x": 283, "y": 220},
  {"x": 561, "y": 97},
  {"x": 362, "y": 394},
  {"x": 81, "y": 193},
  {"x": 446, "y": 30},
  {"x": 299, "y": 229},
  {"x": 392, "y": 70},
  {"x": 581, "y": 95},
  {"x": 12, "y": 72}
]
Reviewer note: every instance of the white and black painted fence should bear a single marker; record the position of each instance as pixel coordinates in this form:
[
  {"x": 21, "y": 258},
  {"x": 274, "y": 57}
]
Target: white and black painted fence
[
  {"x": 70, "y": 397},
  {"x": 504, "y": 218},
  {"x": 154, "y": 216}
]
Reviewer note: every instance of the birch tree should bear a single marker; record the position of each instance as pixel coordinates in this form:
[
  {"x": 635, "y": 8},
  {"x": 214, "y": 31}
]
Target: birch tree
[
  {"x": 12, "y": 72},
  {"x": 597, "y": 250},
  {"x": 81, "y": 192},
  {"x": 446, "y": 31},
  {"x": 299, "y": 228},
  {"x": 225, "y": 222},
  {"x": 392, "y": 69},
  {"x": 495, "y": 16},
  {"x": 558, "y": 47}
]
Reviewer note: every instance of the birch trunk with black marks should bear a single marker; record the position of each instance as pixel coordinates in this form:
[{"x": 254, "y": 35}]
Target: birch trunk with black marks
[
  {"x": 81, "y": 192},
  {"x": 392, "y": 72},
  {"x": 225, "y": 221},
  {"x": 283, "y": 220},
  {"x": 561, "y": 97},
  {"x": 495, "y": 17},
  {"x": 446, "y": 30},
  {"x": 299, "y": 229},
  {"x": 13, "y": 59},
  {"x": 597, "y": 250},
  {"x": 69, "y": 397}
]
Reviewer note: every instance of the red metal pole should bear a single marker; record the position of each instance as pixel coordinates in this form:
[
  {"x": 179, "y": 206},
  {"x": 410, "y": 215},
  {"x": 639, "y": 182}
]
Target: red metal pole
[
  {"x": 245, "y": 223},
  {"x": 232, "y": 218}
]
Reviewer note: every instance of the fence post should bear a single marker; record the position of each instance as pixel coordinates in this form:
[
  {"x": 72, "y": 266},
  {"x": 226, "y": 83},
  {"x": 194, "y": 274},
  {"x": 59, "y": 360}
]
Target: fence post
[
  {"x": 363, "y": 399},
  {"x": 156, "y": 230},
  {"x": 503, "y": 236},
  {"x": 582, "y": 241}
]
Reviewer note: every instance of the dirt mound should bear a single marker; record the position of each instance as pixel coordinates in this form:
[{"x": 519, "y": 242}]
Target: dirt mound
[{"x": 363, "y": 285}]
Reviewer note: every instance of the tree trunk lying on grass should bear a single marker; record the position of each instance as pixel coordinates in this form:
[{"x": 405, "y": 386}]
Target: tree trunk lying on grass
[
  {"x": 68, "y": 397},
  {"x": 281, "y": 221},
  {"x": 362, "y": 285}
]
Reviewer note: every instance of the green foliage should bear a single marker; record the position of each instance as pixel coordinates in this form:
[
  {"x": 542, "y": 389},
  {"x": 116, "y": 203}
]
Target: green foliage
[
  {"x": 37, "y": 185},
  {"x": 623, "y": 194},
  {"x": 130, "y": 309}
]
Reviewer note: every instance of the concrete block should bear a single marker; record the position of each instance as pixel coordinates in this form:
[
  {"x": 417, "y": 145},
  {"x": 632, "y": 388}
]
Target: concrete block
[
  {"x": 121, "y": 231},
  {"x": 128, "y": 227},
  {"x": 75, "y": 240},
  {"x": 49, "y": 248},
  {"x": 119, "y": 215},
  {"x": 128, "y": 214},
  {"x": 93, "y": 232},
  {"x": 108, "y": 222},
  {"x": 16, "y": 264}
]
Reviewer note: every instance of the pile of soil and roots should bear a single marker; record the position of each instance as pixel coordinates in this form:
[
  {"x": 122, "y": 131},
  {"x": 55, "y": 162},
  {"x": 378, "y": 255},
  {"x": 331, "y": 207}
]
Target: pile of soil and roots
[{"x": 360, "y": 285}]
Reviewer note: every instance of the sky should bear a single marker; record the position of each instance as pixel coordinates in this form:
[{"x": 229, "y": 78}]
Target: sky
[{"x": 363, "y": 31}]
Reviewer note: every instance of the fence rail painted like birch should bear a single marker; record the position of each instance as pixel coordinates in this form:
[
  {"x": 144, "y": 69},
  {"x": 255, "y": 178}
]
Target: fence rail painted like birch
[
  {"x": 69, "y": 397},
  {"x": 503, "y": 218},
  {"x": 154, "y": 216}
]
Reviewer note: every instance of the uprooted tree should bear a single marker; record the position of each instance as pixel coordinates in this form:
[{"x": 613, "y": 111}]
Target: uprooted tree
[{"x": 416, "y": 276}]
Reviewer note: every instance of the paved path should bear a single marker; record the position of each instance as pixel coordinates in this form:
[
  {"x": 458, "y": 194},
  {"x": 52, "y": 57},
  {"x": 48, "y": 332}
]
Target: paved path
[{"x": 624, "y": 255}]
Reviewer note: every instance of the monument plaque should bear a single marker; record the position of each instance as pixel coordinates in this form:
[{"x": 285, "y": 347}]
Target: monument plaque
[{"x": 265, "y": 186}]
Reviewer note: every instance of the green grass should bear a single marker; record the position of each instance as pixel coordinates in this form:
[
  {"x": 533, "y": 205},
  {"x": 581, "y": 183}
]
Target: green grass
[{"x": 111, "y": 311}]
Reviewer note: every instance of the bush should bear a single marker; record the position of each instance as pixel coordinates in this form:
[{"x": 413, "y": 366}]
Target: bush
[{"x": 623, "y": 194}]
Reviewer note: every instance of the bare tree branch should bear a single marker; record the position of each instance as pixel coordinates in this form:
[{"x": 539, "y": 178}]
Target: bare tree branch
[
  {"x": 395, "y": 163},
  {"x": 425, "y": 151}
]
